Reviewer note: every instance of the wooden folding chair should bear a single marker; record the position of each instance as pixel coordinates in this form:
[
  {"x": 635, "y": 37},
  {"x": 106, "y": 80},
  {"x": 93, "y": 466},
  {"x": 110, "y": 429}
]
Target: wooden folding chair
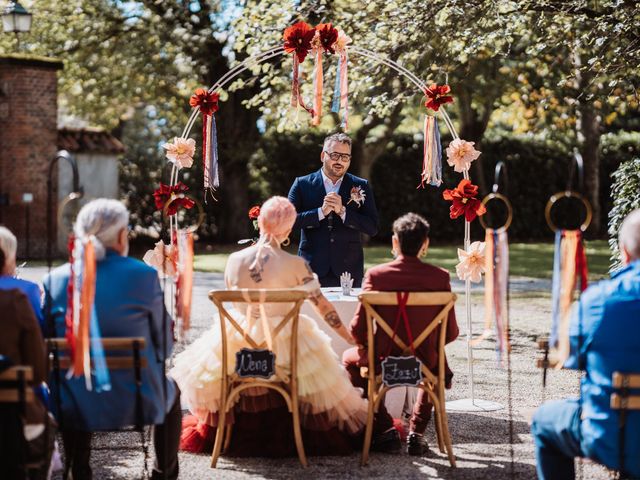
[
  {"x": 121, "y": 353},
  {"x": 623, "y": 401},
  {"x": 432, "y": 383},
  {"x": 233, "y": 384}
]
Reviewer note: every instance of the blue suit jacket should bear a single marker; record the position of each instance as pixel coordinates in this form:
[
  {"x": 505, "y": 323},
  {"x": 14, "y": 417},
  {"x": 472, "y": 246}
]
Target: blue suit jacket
[
  {"x": 605, "y": 337},
  {"x": 129, "y": 303},
  {"x": 331, "y": 245},
  {"x": 30, "y": 289}
]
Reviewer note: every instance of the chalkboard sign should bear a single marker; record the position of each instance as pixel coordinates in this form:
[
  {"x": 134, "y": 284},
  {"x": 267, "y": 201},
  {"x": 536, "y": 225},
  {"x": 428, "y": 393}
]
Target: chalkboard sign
[
  {"x": 405, "y": 371},
  {"x": 255, "y": 363}
]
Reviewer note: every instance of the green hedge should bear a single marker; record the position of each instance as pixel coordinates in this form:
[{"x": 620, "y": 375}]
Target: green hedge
[
  {"x": 625, "y": 192},
  {"x": 535, "y": 169}
]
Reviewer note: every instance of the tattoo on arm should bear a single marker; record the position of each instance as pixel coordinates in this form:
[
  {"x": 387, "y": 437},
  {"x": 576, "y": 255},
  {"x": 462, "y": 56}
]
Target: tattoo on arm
[
  {"x": 333, "y": 319},
  {"x": 315, "y": 296}
]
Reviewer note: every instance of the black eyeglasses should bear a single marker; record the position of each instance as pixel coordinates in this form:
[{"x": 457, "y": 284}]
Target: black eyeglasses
[{"x": 336, "y": 156}]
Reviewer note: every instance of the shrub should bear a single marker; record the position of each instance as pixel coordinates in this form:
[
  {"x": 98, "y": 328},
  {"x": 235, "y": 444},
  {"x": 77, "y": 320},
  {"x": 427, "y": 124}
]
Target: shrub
[{"x": 625, "y": 193}]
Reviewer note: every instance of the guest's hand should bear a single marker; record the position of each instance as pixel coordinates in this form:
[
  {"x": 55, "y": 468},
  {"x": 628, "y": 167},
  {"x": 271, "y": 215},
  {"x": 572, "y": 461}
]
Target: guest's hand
[{"x": 336, "y": 201}]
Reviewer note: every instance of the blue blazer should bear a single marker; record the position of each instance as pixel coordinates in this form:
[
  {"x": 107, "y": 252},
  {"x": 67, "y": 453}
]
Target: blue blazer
[
  {"x": 129, "y": 303},
  {"x": 331, "y": 245},
  {"x": 30, "y": 289}
]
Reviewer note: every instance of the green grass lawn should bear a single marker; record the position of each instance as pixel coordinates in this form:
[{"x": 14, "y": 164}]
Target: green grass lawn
[{"x": 527, "y": 259}]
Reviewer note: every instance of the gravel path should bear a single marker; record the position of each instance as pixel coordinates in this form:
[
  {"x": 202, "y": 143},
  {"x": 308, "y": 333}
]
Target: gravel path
[{"x": 481, "y": 441}]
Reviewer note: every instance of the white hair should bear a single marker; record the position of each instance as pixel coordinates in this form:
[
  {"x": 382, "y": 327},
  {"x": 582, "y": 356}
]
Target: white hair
[
  {"x": 629, "y": 235},
  {"x": 102, "y": 219},
  {"x": 8, "y": 244}
]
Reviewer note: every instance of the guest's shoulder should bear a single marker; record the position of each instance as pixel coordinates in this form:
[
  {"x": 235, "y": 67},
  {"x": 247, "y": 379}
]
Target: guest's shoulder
[
  {"x": 308, "y": 178},
  {"x": 357, "y": 180},
  {"x": 7, "y": 283},
  {"x": 135, "y": 266},
  {"x": 436, "y": 272}
]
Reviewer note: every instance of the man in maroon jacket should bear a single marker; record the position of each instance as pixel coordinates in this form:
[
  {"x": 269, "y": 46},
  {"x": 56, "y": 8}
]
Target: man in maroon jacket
[{"x": 407, "y": 273}]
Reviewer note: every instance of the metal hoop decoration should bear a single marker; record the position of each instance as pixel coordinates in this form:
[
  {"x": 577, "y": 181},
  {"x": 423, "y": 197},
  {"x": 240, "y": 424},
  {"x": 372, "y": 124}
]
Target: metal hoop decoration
[
  {"x": 201, "y": 214},
  {"x": 501, "y": 168},
  {"x": 66, "y": 201},
  {"x": 568, "y": 194},
  {"x": 505, "y": 200}
]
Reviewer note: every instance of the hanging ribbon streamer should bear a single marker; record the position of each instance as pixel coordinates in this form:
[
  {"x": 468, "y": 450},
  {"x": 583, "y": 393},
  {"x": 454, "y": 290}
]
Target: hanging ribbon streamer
[
  {"x": 83, "y": 331},
  {"x": 432, "y": 154},
  {"x": 207, "y": 103},
  {"x": 341, "y": 91},
  {"x": 184, "y": 282},
  {"x": 496, "y": 283},
  {"x": 569, "y": 262},
  {"x": 318, "y": 82}
]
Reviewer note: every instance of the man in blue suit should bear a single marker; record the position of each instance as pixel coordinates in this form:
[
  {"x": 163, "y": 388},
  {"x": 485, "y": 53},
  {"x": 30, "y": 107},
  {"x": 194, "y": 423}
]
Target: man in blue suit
[
  {"x": 604, "y": 337},
  {"x": 334, "y": 209},
  {"x": 129, "y": 303}
]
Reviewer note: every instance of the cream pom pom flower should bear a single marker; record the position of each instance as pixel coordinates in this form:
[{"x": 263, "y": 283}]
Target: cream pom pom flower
[
  {"x": 460, "y": 154},
  {"x": 163, "y": 258},
  {"x": 471, "y": 266},
  {"x": 181, "y": 151}
]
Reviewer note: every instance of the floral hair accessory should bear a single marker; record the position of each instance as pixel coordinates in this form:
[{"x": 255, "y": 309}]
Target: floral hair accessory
[
  {"x": 464, "y": 201},
  {"x": 175, "y": 194},
  {"x": 298, "y": 38},
  {"x": 163, "y": 258},
  {"x": 207, "y": 102},
  {"x": 437, "y": 96},
  {"x": 357, "y": 196},
  {"x": 254, "y": 212},
  {"x": 472, "y": 262},
  {"x": 181, "y": 151},
  {"x": 460, "y": 154}
]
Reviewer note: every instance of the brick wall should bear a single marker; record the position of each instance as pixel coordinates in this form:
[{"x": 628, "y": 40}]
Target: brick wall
[{"x": 28, "y": 137}]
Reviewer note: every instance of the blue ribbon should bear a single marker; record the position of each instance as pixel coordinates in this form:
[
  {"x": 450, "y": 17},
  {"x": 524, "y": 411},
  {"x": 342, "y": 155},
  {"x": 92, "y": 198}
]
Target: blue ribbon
[
  {"x": 214, "y": 179},
  {"x": 555, "y": 290},
  {"x": 436, "y": 165},
  {"x": 101, "y": 372},
  {"x": 335, "y": 105}
]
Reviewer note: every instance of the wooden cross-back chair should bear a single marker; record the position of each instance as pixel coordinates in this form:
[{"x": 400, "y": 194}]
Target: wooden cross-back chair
[
  {"x": 121, "y": 353},
  {"x": 15, "y": 387},
  {"x": 232, "y": 384},
  {"x": 623, "y": 400},
  {"x": 432, "y": 383}
]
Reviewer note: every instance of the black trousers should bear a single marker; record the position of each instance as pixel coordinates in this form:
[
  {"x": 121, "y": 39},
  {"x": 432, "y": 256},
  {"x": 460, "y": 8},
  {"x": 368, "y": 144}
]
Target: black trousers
[{"x": 77, "y": 447}]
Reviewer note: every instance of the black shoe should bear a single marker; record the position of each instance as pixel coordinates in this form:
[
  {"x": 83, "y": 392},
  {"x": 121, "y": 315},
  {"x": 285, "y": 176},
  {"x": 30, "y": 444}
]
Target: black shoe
[
  {"x": 417, "y": 445},
  {"x": 387, "y": 442}
]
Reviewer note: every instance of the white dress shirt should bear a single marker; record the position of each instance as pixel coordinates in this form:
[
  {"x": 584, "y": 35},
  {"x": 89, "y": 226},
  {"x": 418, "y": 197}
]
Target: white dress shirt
[{"x": 330, "y": 187}]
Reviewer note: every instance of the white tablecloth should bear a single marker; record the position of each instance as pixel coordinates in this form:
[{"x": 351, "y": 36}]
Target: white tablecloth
[{"x": 398, "y": 399}]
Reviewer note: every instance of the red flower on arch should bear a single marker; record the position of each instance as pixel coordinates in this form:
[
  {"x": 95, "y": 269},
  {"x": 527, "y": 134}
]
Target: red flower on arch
[
  {"x": 328, "y": 36},
  {"x": 464, "y": 201},
  {"x": 207, "y": 102},
  {"x": 297, "y": 38},
  {"x": 437, "y": 96},
  {"x": 165, "y": 193}
]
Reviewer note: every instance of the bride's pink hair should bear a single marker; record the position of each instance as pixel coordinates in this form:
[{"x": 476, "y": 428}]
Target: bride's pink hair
[{"x": 277, "y": 216}]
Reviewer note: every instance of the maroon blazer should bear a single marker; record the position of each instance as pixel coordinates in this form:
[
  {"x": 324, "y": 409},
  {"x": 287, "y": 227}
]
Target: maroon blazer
[{"x": 406, "y": 274}]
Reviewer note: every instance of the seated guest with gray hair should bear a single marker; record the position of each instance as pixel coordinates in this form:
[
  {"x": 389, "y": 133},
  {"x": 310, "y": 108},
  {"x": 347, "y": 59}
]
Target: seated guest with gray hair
[
  {"x": 8, "y": 281},
  {"x": 129, "y": 303},
  {"x": 604, "y": 337}
]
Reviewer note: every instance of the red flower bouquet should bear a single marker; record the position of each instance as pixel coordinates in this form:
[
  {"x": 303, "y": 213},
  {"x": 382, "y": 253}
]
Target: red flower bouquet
[
  {"x": 297, "y": 38},
  {"x": 464, "y": 201},
  {"x": 175, "y": 194},
  {"x": 207, "y": 102},
  {"x": 437, "y": 96}
]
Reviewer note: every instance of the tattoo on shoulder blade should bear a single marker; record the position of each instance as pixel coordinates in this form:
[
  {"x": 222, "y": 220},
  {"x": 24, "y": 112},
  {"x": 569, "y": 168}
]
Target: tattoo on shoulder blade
[
  {"x": 333, "y": 319},
  {"x": 255, "y": 272}
]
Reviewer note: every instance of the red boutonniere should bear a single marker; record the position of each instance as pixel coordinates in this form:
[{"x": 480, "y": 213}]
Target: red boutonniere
[
  {"x": 205, "y": 101},
  {"x": 164, "y": 193},
  {"x": 328, "y": 37},
  {"x": 464, "y": 201},
  {"x": 297, "y": 38},
  {"x": 437, "y": 96}
]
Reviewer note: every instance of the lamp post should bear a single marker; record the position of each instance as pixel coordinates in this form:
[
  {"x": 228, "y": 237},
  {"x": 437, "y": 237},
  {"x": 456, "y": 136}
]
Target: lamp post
[{"x": 16, "y": 19}]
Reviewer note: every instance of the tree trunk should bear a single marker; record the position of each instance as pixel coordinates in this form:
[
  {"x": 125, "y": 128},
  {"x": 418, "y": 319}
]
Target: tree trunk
[{"x": 589, "y": 132}]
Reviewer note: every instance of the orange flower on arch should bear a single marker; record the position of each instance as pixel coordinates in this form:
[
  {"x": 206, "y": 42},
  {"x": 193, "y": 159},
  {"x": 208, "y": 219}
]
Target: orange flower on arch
[
  {"x": 464, "y": 201},
  {"x": 328, "y": 36}
]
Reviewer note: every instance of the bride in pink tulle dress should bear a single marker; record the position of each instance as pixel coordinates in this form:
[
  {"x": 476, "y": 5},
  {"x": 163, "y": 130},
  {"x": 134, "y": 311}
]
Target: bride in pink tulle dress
[{"x": 332, "y": 411}]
